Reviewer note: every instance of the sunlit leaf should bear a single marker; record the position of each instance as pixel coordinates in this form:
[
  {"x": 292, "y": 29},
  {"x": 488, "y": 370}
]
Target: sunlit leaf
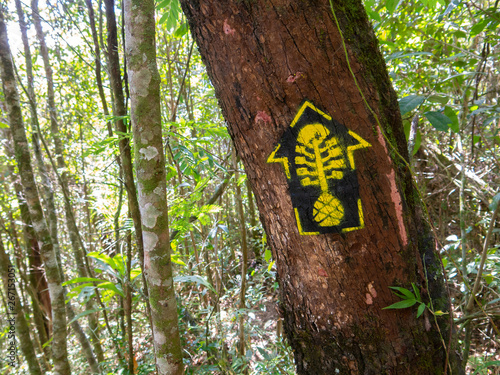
[
  {"x": 267, "y": 255},
  {"x": 407, "y": 294},
  {"x": 111, "y": 287},
  {"x": 401, "y": 304},
  {"x": 391, "y": 5}
]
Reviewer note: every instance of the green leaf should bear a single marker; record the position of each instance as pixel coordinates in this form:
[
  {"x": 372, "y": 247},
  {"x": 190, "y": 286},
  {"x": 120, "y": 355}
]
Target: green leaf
[
  {"x": 417, "y": 292},
  {"x": 374, "y": 15},
  {"x": 120, "y": 263},
  {"x": 407, "y": 294},
  {"x": 404, "y": 304},
  {"x": 108, "y": 285},
  {"x": 267, "y": 255},
  {"x": 264, "y": 353},
  {"x": 452, "y": 115},
  {"x": 175, "y": 259},
  {"x": 478, "y": 27},
  {"x": 88, "y": 312},
  {"x": 488, "y": 278},
  {"x": 391, "y": 5},
  {"x": 104, "y": 258},
  {"x": 409, "y": 103},
  {"x": 460, "y": 34},
  {"x": 441, "y": 99},
  {"x": 163, "y": 4},
  {"x": 439, "y": 313},
  {"x": 271, "y": 264},
  {"x": 494, "y": 202},
  {"x": 3, "y": 125},
  {"x": 163, "y": 18},
  {"x": 452, "y": 5},
  {"x": 134, "y": 273},
  {"x": 48, "y": 342},
  {"x": 81, "y": 280},
  {"x": 438, "y": 120},
  {"x": 194, "y": 279},
  {"x": 181, "y": 30},
  {"x": 421, "y": 309}
]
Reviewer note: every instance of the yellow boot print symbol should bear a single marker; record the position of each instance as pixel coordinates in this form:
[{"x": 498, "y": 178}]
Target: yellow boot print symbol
[
  {"x": 316, "y": 152},
  {"x": 321, "y": 158}
]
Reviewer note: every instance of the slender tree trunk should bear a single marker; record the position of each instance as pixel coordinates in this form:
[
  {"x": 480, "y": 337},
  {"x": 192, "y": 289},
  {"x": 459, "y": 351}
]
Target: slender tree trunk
[
  {"x": 48, "y": 194},
  {"x": 302, "y": 84},
  {"x": 244, "y": 254},
  {"x": 97, "y": 53},
  {"x": 37, "y": 278},
  {"x": 38, "y": 282},
  {"x": 15, "y": 311},
  {"x": 151, "y": 178},
  {"x": 253, "y": 222},
  {"x": 23, "y": 158},
  {"x": 128, "y": 306},
  {"x": 119, "y": 110},
  {"x": 71, "y": 224}
]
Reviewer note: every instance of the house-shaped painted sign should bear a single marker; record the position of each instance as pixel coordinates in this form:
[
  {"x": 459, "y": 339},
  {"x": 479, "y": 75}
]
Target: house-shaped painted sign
[{"x": 316, "y": 152}]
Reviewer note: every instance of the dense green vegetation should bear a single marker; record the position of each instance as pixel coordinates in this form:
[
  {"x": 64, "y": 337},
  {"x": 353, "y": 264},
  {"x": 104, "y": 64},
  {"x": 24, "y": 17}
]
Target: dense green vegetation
[{"x": 444, "y": 60}]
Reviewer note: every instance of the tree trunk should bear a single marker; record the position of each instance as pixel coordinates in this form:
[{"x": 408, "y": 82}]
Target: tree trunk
[
  {"x": 16, "y": 312},
  {"x": 244, "y": 256},
  {"x": 120, "y": 110},
  {"x": 59, "y": 344},
  {"x": 339, "y": 208},
  {"x": 38, "y": 282},
  {"x": 151, "y": 181}
]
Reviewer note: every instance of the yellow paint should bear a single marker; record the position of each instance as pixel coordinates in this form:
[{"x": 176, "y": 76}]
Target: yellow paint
[
  {"x": 361, "y": 220},
  {"x": 320, "y": 156},
  {"x": 283, "y": 161},
  {"x": 303, "y": 108},
  {"x": 351, "y": 149},
  {"x": 299, "y": 225},
  {"x": 313, "y": 141},
  {"x": 328, "y": 210}
]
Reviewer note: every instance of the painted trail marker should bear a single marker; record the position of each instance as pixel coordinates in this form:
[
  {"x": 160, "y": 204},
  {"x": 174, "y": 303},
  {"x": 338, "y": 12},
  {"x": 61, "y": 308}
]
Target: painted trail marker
[{"x": 316, "y": 152}]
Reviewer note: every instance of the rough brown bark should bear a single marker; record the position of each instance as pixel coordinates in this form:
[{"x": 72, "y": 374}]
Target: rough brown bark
[{"x": 264, "y": 59}]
